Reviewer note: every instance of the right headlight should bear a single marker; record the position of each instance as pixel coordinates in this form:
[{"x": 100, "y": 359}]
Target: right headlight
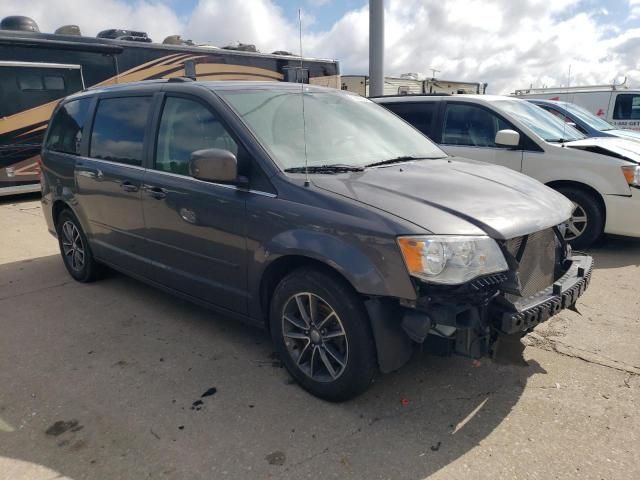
[
  {"x": 632, "y": 174},
  {"x": 451, "y": 260}
]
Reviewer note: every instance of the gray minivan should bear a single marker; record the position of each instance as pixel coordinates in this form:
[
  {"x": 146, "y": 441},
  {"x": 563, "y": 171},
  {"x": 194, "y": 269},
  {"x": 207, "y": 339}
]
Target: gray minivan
[{"x": 309, "y": 211}]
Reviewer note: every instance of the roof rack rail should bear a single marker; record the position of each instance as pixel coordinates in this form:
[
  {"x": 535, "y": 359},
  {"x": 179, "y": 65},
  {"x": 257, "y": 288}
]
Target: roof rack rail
[
  {"x": 180, "y": 79},
  {"x": 401, "y": 95},
  {"x": 584, "y": 88}
]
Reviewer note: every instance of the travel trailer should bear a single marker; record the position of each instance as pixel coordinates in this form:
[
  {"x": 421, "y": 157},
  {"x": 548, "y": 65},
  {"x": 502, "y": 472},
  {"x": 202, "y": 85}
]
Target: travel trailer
[
  {"x": 38, "y": 69},
  {"x": 617, "y": 104},
  {"x": 411, "y": 84}
]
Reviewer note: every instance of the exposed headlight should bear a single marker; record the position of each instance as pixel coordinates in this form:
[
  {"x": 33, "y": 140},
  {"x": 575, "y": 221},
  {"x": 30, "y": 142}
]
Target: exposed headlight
[
  {"x": 451, "y": 260},
  {"x": 632, "y": 174}
]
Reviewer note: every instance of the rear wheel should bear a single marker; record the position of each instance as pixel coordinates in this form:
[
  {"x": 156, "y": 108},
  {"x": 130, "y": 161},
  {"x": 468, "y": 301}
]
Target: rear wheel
[
  {"x": 75, "y": 249},
  {"x": 587, "y": 221},
  {"x": 321, "y": 331}
]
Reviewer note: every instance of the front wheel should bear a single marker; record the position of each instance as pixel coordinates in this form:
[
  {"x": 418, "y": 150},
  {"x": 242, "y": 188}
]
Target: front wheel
[
  {"x": 587, "y": 221},
  {"x": 321, "y": 331}
]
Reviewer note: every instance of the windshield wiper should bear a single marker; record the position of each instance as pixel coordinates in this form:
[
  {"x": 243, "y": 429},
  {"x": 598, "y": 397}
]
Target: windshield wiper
[
  {"x": 403, "y": 158},
  {"x": 333, "y": 168},
  {"x": 560, "y": 140}
]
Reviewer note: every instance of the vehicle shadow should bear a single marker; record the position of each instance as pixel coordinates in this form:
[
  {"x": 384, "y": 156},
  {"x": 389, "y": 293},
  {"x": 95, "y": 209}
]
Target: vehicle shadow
[
  {"x": 20, "y": 198},
  {"x": 116, "y": 379},
  {"x": 615, "y": 252}
]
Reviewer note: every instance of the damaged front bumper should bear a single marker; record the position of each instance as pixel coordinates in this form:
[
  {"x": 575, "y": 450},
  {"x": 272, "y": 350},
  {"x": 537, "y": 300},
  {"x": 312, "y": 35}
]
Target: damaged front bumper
[
  {"x": 526, "y": 313},
  {"x": 468, "y": 320}
]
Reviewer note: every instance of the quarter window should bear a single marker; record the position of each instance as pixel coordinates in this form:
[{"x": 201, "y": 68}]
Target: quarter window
[
  {"x": 420, "y": 115},
  {"x": 471, "y": 125},
  {"x": 627, "y": 107},
  {"x": 65, "y": 133},
  {"x": 187, "y": 126},
  {"x": 118, "y": 129}
]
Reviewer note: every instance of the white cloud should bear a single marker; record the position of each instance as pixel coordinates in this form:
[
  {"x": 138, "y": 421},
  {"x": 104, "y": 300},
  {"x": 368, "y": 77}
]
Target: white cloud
[{"x": 505, "y": 43}]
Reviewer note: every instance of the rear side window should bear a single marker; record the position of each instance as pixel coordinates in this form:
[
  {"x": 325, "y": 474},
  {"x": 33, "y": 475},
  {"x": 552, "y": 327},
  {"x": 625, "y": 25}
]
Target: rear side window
[
  {"x": 65, "y": 132},
  {"x": 627, "y": 107},
  {"x": 420, "y": 115},
  {"x": 471, "y": 125},
  {"x": 187, "y": 126},
  {"x": 118, "y": 129}
]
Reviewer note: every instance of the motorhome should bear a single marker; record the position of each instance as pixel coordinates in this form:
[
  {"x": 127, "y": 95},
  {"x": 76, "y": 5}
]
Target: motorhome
[
  {"x": 410, "y": 84},
  {"x": 38, "y": 69},
  {"x": 616, "y": 103}
]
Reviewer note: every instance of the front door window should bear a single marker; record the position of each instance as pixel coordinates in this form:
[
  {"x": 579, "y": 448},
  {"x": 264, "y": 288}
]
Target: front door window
[{"x": 470, "y": 125}]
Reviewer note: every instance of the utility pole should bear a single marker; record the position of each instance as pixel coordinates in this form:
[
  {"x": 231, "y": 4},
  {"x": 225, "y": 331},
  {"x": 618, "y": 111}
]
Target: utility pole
[{"x": 376, "y": 47}]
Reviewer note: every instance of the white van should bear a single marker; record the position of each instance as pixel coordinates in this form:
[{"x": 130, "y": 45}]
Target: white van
[
  {"x": 617, "y": 104},
  {"x": 601, "y": 176}
]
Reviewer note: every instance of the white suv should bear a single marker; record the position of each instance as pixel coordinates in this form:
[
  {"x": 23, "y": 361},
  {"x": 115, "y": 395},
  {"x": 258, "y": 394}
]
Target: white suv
[{"x": 600, "y": 175}]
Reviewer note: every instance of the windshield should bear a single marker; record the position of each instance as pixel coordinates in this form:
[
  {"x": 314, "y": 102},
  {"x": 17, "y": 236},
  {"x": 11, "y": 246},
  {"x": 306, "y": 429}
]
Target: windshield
[
  {"x": 587, "y": 117},
  {"x": 339, "y": 128},
  {"x": 543, "y": 123}
]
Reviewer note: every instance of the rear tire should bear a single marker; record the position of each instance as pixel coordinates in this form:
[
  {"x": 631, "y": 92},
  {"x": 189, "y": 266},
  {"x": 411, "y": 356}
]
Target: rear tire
[
  {"x": 75, "y": 250},
  {"x": 321, "y": 330},
  {"x": 587, "y": 223}
]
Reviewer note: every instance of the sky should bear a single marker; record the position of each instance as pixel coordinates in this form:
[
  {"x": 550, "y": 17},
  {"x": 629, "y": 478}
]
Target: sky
[{"x": 507, "y": 43}]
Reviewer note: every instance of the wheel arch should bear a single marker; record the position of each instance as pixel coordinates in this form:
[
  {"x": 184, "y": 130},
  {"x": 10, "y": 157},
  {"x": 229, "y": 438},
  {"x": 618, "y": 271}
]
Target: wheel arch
[
  {"x": 557, "y": 184},
  {"x": 57, "y": 208},
  {"x": 280, "y": 268}
]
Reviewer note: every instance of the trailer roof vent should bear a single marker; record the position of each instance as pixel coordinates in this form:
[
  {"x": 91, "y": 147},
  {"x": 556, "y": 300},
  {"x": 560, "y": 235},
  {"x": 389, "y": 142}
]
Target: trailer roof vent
[
  {"x": 128, "y": 35},
  {"x": 242, "y": 47},
  {"x": 19, "y": 23},
  {"x": 282, "y": 52},
  {"x": 176, "y": 40},
  {"x": 68, "y": 30}
]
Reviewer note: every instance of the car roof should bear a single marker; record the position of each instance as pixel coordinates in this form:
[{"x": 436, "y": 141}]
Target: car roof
[{"x": 472, "y": 98}]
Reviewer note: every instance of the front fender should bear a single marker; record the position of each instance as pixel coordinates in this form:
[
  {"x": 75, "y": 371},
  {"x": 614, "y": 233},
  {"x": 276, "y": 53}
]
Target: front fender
[{"x": 373, "y": 265}]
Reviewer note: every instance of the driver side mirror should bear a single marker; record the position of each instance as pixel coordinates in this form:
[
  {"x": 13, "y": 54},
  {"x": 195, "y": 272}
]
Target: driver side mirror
[
  {"x": 507, "y": 138},
  {"x": 214, "y": 165}
]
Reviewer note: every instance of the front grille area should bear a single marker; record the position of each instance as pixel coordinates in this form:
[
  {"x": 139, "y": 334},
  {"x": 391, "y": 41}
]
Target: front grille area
[{"x": 536, "y": 255}]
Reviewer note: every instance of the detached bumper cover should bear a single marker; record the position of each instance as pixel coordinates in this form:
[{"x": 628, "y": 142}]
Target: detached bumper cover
[{"x": 529, "y": 312}]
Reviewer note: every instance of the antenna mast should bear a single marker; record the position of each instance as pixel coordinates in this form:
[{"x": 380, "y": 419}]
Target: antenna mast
[
  {"x": 564, "y": 122},
  {"x": 304, "y": 121}
]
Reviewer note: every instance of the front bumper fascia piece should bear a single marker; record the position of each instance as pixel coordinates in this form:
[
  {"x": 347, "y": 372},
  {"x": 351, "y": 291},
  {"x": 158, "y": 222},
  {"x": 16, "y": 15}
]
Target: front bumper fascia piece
[{"x": 526, "y": 313}]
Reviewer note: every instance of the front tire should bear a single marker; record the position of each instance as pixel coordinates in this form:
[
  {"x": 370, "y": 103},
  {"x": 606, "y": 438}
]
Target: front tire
[
  {"x": 321, "y": 331},
  {"x": 75, "y": 250},
  {"x": 587, "y": 222}
]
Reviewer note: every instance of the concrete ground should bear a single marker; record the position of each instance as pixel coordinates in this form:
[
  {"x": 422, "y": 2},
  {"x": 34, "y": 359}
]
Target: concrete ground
[{"x": 102, "y": 381}]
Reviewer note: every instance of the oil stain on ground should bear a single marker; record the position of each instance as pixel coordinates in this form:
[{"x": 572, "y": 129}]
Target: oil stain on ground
[
  {"x": 276, "y": 458},
  {"x": 62, "y": 426}
]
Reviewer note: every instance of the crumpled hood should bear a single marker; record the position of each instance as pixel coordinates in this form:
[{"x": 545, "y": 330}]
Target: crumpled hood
[
  {"x": 616, "y": 147},
  {"x": 453, "y": 196}
]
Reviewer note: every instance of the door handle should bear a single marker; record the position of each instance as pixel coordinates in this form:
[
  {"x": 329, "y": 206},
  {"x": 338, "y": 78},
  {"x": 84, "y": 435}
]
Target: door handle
[
  {"x": 92, "y": 174},
  {"x": 127, "y": 186},
  {"x": 155, "y": 192}
]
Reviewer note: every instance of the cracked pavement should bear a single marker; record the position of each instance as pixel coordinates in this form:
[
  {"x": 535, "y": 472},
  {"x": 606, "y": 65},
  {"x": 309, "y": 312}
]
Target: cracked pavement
[{"x": 106, "y": 381}]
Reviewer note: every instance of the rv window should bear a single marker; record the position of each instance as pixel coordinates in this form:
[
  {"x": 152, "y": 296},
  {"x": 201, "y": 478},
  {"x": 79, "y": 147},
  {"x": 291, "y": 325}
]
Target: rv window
[
  {"x": 187, "y": 126},
  {"x": 65, "y": 132},
  {"x": 118, "y": 129},
  {"x": 53, "y": 82},
  {"x": 627, "y": 107},
  {"x": 420, "y": 115},
  {"x": 30, "y": 82},
  {"x": 39, "y": 83}
]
